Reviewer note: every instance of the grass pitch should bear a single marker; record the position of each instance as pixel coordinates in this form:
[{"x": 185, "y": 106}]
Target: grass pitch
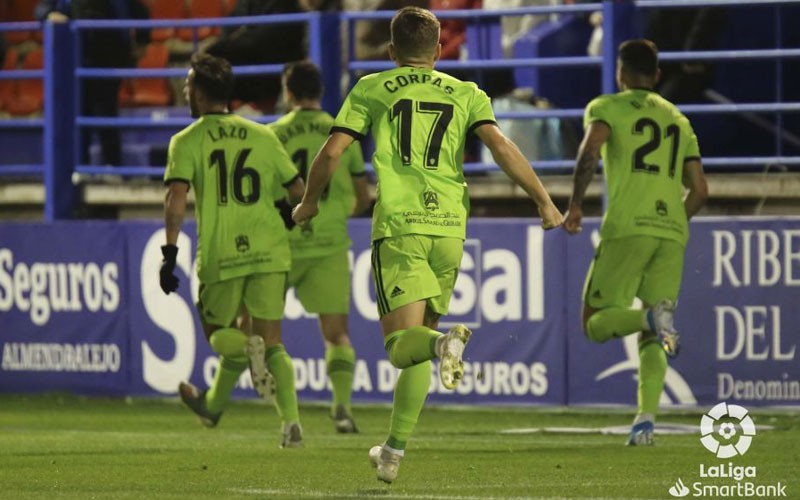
[{"x": 57, "y": 447}]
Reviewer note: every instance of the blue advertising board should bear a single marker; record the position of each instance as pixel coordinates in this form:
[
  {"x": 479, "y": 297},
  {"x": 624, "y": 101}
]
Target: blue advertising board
[
  {"x": 738, "y": 314},
  {"x": 63, "y": 324},
  {"x": 81, "y": 310}
]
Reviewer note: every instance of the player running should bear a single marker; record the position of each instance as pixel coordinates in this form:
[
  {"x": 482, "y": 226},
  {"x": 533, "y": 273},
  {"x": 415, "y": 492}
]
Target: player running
[
  {"x": 419, "y": 119},
  {"x": 243, "y": 250},
  {"x": 320, "y": 264},
  {"x": 650, "y": 154}
]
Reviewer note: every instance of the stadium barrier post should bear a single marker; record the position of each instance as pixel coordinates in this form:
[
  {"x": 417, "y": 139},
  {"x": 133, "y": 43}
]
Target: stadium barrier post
[
  {"x": 325, "y": 34},
  {"x": 59, "y": 120}
]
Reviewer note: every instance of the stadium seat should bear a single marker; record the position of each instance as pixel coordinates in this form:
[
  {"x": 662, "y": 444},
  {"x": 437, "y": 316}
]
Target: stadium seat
[
  {"x": 29, "y": 96},
  {"x": 20, "y": 10},
  {"x": 199, "y": 9},
  {"x": 152, "y": 91},
  {"x": 125, "y": 95},
  {"x": 229, "y": 6},
  {"x": 8, "y": 87},
  {"x": 166, "y": 9}
]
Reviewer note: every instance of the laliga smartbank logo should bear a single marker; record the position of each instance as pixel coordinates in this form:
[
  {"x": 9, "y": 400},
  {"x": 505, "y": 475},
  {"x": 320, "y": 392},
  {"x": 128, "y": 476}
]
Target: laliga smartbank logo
[{"x": 727, "y": 431}]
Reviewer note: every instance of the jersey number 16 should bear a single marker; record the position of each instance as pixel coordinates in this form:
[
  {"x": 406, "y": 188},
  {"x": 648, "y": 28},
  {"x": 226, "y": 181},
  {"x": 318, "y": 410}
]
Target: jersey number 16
[{"x": 240, "y": 173}]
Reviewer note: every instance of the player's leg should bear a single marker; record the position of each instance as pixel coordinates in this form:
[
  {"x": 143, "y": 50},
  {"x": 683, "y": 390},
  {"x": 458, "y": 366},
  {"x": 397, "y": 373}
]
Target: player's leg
[
  {"x": 661, "y": 282},
  {"x": 324, "y": 289},
  {"x": 445, "y": 260},
  {"x": 406, "y": 283},
  {"x": 611, "y": 285},
  {"x": 217, "y": 305},
  {"x": 403, "y": 283},
  {"x": 264, "y": 300},
  {"x": 340, "y": 360}
]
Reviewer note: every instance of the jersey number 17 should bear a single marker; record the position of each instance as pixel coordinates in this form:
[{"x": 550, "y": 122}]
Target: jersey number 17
[{"x": 403, "y": 111}]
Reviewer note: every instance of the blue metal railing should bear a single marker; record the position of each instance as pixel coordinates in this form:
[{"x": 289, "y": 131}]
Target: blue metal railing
[
  {"x": 611, "y": 14},
  {"x": 18, "y": 169},
  {"x": 63, "y": 75},
  {"x": 313, "y": 21}
]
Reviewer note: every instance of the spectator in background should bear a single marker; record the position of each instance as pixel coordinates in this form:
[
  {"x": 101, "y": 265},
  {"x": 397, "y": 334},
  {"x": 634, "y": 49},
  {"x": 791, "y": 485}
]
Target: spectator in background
[
  {"x": 685, "y": 29},
  {"x": 514, "y": 27},
  {"x": 372, "y": 37},
  {"x": 454, "y": 31},
  {"x": 101, "y": 49},
  {"x": 538, "y": 139},
  {"x": 265, "y": 44}
]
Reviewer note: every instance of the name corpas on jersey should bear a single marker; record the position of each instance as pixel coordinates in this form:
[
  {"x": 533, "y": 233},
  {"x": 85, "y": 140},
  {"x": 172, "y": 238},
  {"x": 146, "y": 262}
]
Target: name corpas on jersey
[{"x": 400, "y": 81}]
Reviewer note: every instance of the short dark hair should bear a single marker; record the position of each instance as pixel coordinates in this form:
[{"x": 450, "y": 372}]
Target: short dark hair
[
  {"x": 304, "y": 80},
  {"x": 212, "y": 75},
  {"x": 415, "y": 32},
  {"x": 639, "y": 56}
]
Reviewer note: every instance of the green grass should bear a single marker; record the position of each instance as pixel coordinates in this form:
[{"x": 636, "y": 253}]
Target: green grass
[{"x": 68, "y": 447}]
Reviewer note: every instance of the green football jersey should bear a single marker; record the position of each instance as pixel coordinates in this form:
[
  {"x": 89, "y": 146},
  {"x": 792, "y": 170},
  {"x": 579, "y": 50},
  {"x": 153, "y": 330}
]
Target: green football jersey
[
  {"x": 419, "y": 120},
  {"x": 303, "y": 133},
  {"x": 643, "y": 164},
  {"x": 234, "y": 165}
]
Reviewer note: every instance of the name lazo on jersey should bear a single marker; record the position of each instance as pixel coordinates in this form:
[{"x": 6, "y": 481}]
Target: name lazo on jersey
[
  {"x": 229, "y": 132},
  {"x": 401, "y": 81}
]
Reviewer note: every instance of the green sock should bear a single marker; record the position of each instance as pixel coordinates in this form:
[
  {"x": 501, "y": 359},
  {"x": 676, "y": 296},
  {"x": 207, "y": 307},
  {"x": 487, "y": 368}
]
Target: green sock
[
  {"x": 228, "y": 342},
  {"x": 280, "y": 366},
  {"x": 224, "y": 381},
  {"x": 652, "y": 369},
  {"x": 341, "y": 363},
  {"x": 410, "y": 394},
  {"x": 613, "y": 322},
  {"x": 411, "y": 346}
]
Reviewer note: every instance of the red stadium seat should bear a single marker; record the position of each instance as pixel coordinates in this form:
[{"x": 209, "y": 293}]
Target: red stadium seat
[
  {"x": 20, "y": 10},
  {"x": 8, "y": 87},
  {"x": 29, "y": 96},
  {"x": 17, "y": 37},
  {"x": 152, "y": 91},
  {"x": 199, "y": 9},
  {"x": 229, "y": 6},
  {"x": 125, "y": 95},
  {"x": 166, "y": 9}
]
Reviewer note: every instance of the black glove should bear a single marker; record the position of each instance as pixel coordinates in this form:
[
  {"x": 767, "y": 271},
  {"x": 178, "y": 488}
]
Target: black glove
[
  {"x": 286, "y": 213},
  {"x": 167, "y": 278}
]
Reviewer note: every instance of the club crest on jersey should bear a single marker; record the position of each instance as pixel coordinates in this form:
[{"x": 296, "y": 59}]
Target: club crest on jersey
[
  {"x": 661, "y": 207},
  {"x": 242, "y": 243},
  {"x": 431, "y": 200}
]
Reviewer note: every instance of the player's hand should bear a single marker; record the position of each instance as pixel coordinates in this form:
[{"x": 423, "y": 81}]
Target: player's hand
[
  {"x": 572, "y": 222},
  {"x": 167, "y": 278},
  {"x": 551, "y": 216},
  {"x": 286, "y": 213},
  {"x": 304, "y": 212}
]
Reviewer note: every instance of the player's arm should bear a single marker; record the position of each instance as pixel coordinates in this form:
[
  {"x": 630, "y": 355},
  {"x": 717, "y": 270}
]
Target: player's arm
[
  {"x": 295, "y": 190},
  {"x": 361, "y": 188},
  {"x": 358, "y": 176},
  {"x": 694, "y": 179},
  {"x": 585, "y": 166},
  {"x": 322, "y": 169},
  {"x": 174, "y": 212},
  {"x": 511, "y": 160}
]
